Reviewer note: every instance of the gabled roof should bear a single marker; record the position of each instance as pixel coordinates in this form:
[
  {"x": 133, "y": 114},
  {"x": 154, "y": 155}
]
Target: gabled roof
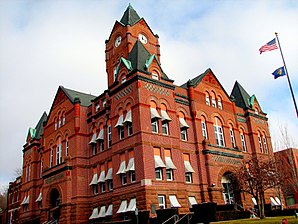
[
  {"x": 242, "y": 98},
  {"x": 138, "y": 56},
  {"x": 72, "y": 94},
  {"x": 130, "y": 16},
  {"x": 35, "y": 133}
]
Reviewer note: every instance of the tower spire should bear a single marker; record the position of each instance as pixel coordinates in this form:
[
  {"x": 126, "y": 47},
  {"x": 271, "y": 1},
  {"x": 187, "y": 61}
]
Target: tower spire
[{"x": 130, "y": 16}]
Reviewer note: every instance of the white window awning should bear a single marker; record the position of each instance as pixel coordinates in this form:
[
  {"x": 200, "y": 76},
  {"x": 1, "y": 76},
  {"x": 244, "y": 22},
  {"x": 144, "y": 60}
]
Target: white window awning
[
  {"x": 109, "y": 211},
  {"x": 109, "y": 175},
  {"x": 165, "y": 116},
  {"x": 120, "y": 121},
  {"x": 154, "y": 113},
  {"x": 188, "y": 167},
  {"x": 131, "y": 165},
  {"x": 169, "y": 164},
  {"x": 158, "y": 162},
  {"x": 100, "y": 135},
  {"x": 174, "y": 202},
  {"x": 192, "y": 200},
  {"x": 25, "y": 200},
  {"x": 39, "y": 198},
  {"x": 101, "y": 178},
  {"x": 273, "y": 202},
  {"x": 132, "y": 205},
  {"x": 102, "y": 212},
  {"x": 278, "y": 200},
  {"x": 93, "y": 139},
  {"x": 183, "y": 123},
  {"x": 128, "y": 117},
  {"x": 94, "y": 180},
  {"x": 94, "y": 214},
  {"x": 254, "y": 201},
  {"x": 123, "y": 207},
  {"x": 122, "y": 168}
]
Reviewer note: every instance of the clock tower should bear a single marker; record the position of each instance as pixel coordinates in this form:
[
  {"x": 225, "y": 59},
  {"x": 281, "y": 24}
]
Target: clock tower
[{"x": 131, "y": 30}]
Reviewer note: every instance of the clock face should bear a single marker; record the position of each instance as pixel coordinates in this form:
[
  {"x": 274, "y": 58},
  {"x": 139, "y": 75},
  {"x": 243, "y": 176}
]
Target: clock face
[
  {"x": 118, "y": 41},
  {"x": 143, "y": 38}
]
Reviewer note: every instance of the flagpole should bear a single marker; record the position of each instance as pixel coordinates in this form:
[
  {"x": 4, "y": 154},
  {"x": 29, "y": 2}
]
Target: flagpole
[{"x": 286, "y": 70}]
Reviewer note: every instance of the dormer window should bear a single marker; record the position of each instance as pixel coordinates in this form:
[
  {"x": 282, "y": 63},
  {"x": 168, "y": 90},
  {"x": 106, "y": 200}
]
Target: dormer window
[
  {"x": 155, "y": 76},
  {"x": 97, "y": 107}
]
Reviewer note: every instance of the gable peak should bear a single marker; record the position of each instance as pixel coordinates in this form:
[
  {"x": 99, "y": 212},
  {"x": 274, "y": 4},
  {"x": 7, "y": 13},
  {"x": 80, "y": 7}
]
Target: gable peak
[{"x": 130, "y": 16}]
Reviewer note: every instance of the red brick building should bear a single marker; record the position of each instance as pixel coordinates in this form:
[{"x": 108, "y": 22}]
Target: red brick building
[{"x": 144, "y": 143}]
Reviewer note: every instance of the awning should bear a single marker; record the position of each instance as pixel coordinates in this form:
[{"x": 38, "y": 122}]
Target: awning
[
  {"x": 122, "y": 168},
  {"x": 102, "y": 212},
  {"x": 183, "y": 123},
  {"x": 278, "y": 200},
  {"x": 165, "y": 116},
  {"x": 101, "y": 178},
  {"x": 128, "y": 117},
  {"x": 100, "y": 135},
  {"x": 39, "y": 198},
  {"x": 94, "y": 214},
  {"x": 273, "y": 202},
  {"x": 94, "y": 180},
  {"x": 158, "y": 162},
  {"x": 25, "y": 200},
  {"x": 123, "y": 207},
  {"x": 131, "y": 165},
  {"x": 254, "y": 201},
  {"x": 169, "y": 164},
  {"x": 132, "y": 205},
  {"x": 192, "y": 200},
  {"x": 188, "y": 167},
  {"x": 154, "y": 113},
  {"x": 109, "y": 175},
  {"x": 120, "y": 121},
  {"x": 174, "y": 202},
  {"x": 93, "y": 139},
  {"x": 109, "y": 211}
]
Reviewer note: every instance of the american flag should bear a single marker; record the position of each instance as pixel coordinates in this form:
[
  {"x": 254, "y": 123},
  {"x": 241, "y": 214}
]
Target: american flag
[{"x": 271, "y": 45}]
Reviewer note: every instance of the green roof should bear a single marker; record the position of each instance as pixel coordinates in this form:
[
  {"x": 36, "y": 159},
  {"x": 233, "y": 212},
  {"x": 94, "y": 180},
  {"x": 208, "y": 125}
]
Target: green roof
[
  {"x": 242, "y": 98},
  {"x": 72, "y": 94},
  {"x": 35, "y": 133},
  {"x": 138, "y": 56},
  {"x": 195, "y": 81},
  {"x": 130, "y": 16}
]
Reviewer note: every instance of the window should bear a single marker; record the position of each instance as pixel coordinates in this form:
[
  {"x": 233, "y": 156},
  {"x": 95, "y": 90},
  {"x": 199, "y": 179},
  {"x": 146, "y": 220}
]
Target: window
[
  {"x": 242, "y": 140},
  {"x": 161, "y": 201},
  {"x": 228, "y": 192},
  {"x": 63, "y": 119},
  {"x": 51, "y": 158},
  {"x": 165, "y": 127},
  {"x": 95, "y": 189},
  {"x": 207, "y": 98},
  {"x": 97, "y": 107},
  {"x": 219, "y": 103},
  {"x": 66, "y": 148},
  {"x": 119, "y": 124},
  {"x": 213, "y": 102},
  {"x": 218, "y": 133},
  {"x": 123, "y": 80},
  {"x": 183, "y": 126},
  {"x": 131, "y": 167},
  {"x": 204, "y": 128},
  {"x": 94, "y": 149},
  {"x": 28, "y": 172},
  {"x": 128, "y": 120},
  {"x": 169, "y": 165},
  {"x": 188, "y": 168},
  {"x": 129, "y": 128},
  {"x": 59, "y": 154},
  {"x": 132, "y": 175},
  {"x": 122, "y": 170},
  {"x": 123, "y": 178},
  {"x": 121, "y": 132},
  {"x": 109, "y": 176},
  {"x": 100, "y": 138},
  {"x": 101, "y": 179},
  {"x": 265, "y": 144},
  {"x": 155, "y": 76},
  {"x": 165, "y": 119},
  {"x": 158, "y": 173},
  {"x": 109, "y": 136},
  {"x": 154, "y": 117},
  {"x": 104, "y": 102},
  {"x": 188, "y": 177},
  {"x": 260, "y": 143},
  {"x": 56, "y": 124},
  {"x": 159, "y": 164},
  {"x": 169, "y": 175},
  {"x": 103, "y": 187},
  {"x": 232, "y": 137}
]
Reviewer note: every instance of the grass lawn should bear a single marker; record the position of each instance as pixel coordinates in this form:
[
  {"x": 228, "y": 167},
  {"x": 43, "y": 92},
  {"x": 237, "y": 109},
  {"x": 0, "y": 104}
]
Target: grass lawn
[{"x": 269, "y": 220}]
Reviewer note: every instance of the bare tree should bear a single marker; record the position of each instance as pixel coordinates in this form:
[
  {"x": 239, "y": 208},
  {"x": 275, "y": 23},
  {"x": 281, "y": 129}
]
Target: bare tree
[{"x": 255, "y": 176}]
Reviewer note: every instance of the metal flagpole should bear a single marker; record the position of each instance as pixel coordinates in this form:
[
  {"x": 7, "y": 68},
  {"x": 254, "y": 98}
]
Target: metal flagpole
[{"x": 282, "y": 56}]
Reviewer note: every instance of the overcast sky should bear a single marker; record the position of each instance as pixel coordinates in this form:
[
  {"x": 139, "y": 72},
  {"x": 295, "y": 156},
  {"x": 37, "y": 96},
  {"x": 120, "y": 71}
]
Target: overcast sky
[{"x": 44, "y": 44}]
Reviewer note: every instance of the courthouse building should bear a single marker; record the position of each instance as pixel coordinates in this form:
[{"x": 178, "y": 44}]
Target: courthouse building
[{"x": 144, "y": 143}]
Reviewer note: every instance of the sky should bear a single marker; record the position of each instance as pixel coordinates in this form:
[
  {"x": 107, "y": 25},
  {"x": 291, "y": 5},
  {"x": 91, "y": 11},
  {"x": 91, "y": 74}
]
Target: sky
[{"x": 47, "y": 43}]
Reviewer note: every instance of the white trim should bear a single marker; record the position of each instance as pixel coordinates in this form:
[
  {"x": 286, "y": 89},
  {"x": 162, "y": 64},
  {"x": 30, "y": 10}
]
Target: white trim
[{"x": 174, "y": 202}]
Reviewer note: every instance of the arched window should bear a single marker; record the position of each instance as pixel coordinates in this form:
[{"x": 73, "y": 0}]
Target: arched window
[
  {"x": 59, "y": 151},
  {"x": 51, "y": 157},
  {"x": 218, "y": 131},
  {"x": 228, "y": 193},
  {"x": 100, "y": 137},
  {"x": 154, "y": 117},
  {"x": 260, "y": 142},
  {"x": 265, "y": 144},
  {"x": 56, "y": 123},
  {"x": 63, "y": 119},
  {"x": 242, "y": 137},
  {"x": 213, "y": 100},
  {"x": 232, "y": 136},
  {"x": 204, "y": 127},
  {"x": 128, "y": 120},
  {"x": 256, "y": 110},
  {"x": 109, "y": 133},
  {"x": 207, "y": 97},
  {"x": 66, "y": 146},
  {"x": 183, "y": 126},
  {"x": 119, "y": 124},
  {"x": 165, "y": 119},
  {"x": 219, "y": 102}
]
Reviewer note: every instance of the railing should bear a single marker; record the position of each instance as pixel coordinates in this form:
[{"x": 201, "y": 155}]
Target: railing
[
  {"x": 189, "y": 216},
  {"x": 175, "y": 217}
]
